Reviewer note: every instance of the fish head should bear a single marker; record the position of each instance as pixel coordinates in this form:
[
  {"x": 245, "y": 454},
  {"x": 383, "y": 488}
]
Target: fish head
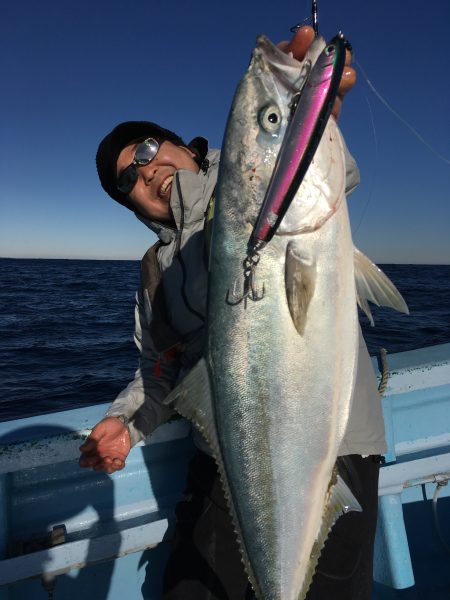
[
  {"x": 257, "y": 122},
  {"x": 256, "y": 126}
]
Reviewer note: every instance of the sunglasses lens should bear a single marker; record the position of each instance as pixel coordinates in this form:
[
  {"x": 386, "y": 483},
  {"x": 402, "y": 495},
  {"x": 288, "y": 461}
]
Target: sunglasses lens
[
  {"x": 146, "y": 151},
  {"x": 127, "y": 179}
]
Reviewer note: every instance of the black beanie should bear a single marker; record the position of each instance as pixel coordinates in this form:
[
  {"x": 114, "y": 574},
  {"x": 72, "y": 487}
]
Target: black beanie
[{"x": 113, "y": 144}]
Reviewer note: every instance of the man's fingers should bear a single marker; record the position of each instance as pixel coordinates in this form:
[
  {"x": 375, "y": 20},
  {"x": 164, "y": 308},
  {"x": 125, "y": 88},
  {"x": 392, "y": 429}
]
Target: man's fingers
[
  {"x": 348, "y": 80},
  {"x": 98, "y": 462},
  {"x": 348, "y": 56},
  {"x": 337, "y": 107},
  {"x": 89, "y": 461},
  {"x": 283, "y": 45},
  {"x": 94, "y": 438},
  {"x": 102, "y": 464},
  {"x": 299, "y": 43},
  {"x": 109, "y": 466},
  {"x": 88, "y": 445},
  {"x": 106, "y": 449}
]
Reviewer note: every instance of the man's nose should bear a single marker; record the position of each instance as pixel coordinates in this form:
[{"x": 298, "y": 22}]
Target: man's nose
[{"x": 148, "y": 172}]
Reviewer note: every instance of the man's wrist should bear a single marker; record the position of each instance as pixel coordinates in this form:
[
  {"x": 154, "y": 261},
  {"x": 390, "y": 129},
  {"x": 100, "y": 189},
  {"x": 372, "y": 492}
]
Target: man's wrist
[
  {"x": 123, "y": 418},
  {"x": 125, "y": 421}
]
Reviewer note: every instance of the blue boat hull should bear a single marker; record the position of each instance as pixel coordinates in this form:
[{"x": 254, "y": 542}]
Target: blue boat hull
[{"x": 82, "y": 533}]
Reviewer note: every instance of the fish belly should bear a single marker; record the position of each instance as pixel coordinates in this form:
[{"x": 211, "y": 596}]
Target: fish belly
[{"x": 282, "y": 402}]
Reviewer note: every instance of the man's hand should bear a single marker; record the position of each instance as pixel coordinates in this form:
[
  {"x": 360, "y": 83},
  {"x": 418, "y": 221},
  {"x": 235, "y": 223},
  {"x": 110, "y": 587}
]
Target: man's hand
[
  {"x": 299, "y": 45},
  {"x": 108, "y": 446}
]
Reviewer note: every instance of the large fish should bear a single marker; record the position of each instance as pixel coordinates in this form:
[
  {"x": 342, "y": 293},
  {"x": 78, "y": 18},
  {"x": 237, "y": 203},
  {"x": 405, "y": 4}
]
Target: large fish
[{"x": 273, "y": 393}]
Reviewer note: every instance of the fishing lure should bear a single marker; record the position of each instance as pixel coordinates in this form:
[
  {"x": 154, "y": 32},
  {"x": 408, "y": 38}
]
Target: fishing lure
[
  {"x": 309, "y": 117},
  {"x": 303, "y": 134}
]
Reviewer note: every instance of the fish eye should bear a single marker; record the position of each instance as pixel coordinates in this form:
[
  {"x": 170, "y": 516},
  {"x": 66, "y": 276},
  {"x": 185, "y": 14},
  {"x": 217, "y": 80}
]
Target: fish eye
[{"x": 270, "y": 118}]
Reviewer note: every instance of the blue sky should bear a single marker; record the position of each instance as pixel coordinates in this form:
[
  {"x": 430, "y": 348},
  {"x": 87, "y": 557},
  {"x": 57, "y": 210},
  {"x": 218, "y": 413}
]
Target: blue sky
[{"x": 73, "y": 70}]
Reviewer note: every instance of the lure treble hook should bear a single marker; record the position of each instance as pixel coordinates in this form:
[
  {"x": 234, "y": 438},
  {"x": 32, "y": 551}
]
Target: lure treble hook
[{"x": 250, "y": 291}]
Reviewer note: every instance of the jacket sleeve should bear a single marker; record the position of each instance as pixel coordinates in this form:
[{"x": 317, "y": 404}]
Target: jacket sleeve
[
  {"x": 352, "y": 177},
  {"x": 142, "y": 400}
]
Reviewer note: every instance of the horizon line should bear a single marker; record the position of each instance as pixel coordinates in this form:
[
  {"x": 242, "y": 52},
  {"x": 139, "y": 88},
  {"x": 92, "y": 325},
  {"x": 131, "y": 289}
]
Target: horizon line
[{"x": 139, "y": 259}]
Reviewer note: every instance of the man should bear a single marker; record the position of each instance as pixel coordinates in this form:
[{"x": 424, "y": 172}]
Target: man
[{"x": 169, "y": 185}]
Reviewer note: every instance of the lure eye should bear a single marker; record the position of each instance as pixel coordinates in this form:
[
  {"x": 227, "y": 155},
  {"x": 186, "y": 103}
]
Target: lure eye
[{"x": 270, "y": 118}]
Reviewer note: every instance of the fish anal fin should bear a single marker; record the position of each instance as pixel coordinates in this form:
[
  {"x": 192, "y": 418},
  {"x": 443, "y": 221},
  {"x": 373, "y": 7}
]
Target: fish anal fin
[
  {"x": 339, "y": 501},
  {"x": 372, "y": 284},
  {"x": 192, "y": 398},
  {"x": 300, "y": 278}
]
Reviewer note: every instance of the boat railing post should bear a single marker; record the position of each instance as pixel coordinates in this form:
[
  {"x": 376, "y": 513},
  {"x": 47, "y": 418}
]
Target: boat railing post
[{"x": 396, "y": 566}]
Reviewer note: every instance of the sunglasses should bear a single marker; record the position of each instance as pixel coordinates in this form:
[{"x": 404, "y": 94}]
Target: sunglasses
[{"x": 145, "y": 153}]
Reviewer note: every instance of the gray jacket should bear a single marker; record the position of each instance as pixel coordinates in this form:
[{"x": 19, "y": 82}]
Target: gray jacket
[{"x": 182, "y": 261}]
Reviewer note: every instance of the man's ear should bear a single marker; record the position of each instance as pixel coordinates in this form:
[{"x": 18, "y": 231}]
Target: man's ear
[{"x": 189, "y": 151}]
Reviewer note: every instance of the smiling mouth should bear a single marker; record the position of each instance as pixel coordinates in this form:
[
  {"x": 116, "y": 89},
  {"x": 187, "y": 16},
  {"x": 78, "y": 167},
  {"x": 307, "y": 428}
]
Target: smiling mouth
[{"x": 165, "y": 186}]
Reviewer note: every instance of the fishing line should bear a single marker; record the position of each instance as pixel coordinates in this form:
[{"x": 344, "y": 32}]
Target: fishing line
[
  {"x": 400, "y": 118},
  {"x": 374, "y": 168}
]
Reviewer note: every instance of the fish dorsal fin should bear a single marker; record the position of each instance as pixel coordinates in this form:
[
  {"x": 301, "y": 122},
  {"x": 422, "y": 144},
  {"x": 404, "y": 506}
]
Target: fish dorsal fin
[
  {"x": 192, "y": 398},
  {"x": 339, "y": 501},
  {"x": 372, "y": 284},
  {"x": 300, "y": 279}
]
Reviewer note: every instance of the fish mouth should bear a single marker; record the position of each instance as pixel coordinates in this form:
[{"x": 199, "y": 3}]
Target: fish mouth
[
  {"x": 289, "y": 71},
  {"x": 275, "y": 55}
]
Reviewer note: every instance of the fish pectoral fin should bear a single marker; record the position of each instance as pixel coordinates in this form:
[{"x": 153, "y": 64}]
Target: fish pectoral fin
[
  {"x": 300, "y": 279},
  {"x": 372, "y": 284},
  {"x": 192, "y": 398}
]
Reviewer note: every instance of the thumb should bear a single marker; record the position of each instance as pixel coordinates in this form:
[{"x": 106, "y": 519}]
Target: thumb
[
  {"x": 300, "y": 42},
  {"x": 89, "y": 444}
]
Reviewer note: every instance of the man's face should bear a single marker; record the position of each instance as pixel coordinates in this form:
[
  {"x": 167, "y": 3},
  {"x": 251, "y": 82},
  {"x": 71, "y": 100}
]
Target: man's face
[{"x": 151, "y": 194}]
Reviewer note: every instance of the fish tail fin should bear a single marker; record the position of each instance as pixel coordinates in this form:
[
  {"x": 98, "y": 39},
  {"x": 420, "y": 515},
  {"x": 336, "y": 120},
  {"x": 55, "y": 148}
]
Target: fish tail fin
[{"x": 372, "y": 284}]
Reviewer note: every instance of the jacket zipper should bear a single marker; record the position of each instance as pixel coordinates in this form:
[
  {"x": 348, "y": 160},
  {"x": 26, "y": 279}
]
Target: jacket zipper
[{"x": 180, "y": 258}]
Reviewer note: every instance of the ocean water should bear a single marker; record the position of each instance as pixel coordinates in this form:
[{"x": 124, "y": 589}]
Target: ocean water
[{"x": 66, "y": 328}]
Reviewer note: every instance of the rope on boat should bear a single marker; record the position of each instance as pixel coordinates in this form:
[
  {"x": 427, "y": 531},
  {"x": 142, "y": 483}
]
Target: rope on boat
[
  {"x": 48, "y": 583},
  {"x": 384, "y": 371},
  {"x": 440, "y": 485}
]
